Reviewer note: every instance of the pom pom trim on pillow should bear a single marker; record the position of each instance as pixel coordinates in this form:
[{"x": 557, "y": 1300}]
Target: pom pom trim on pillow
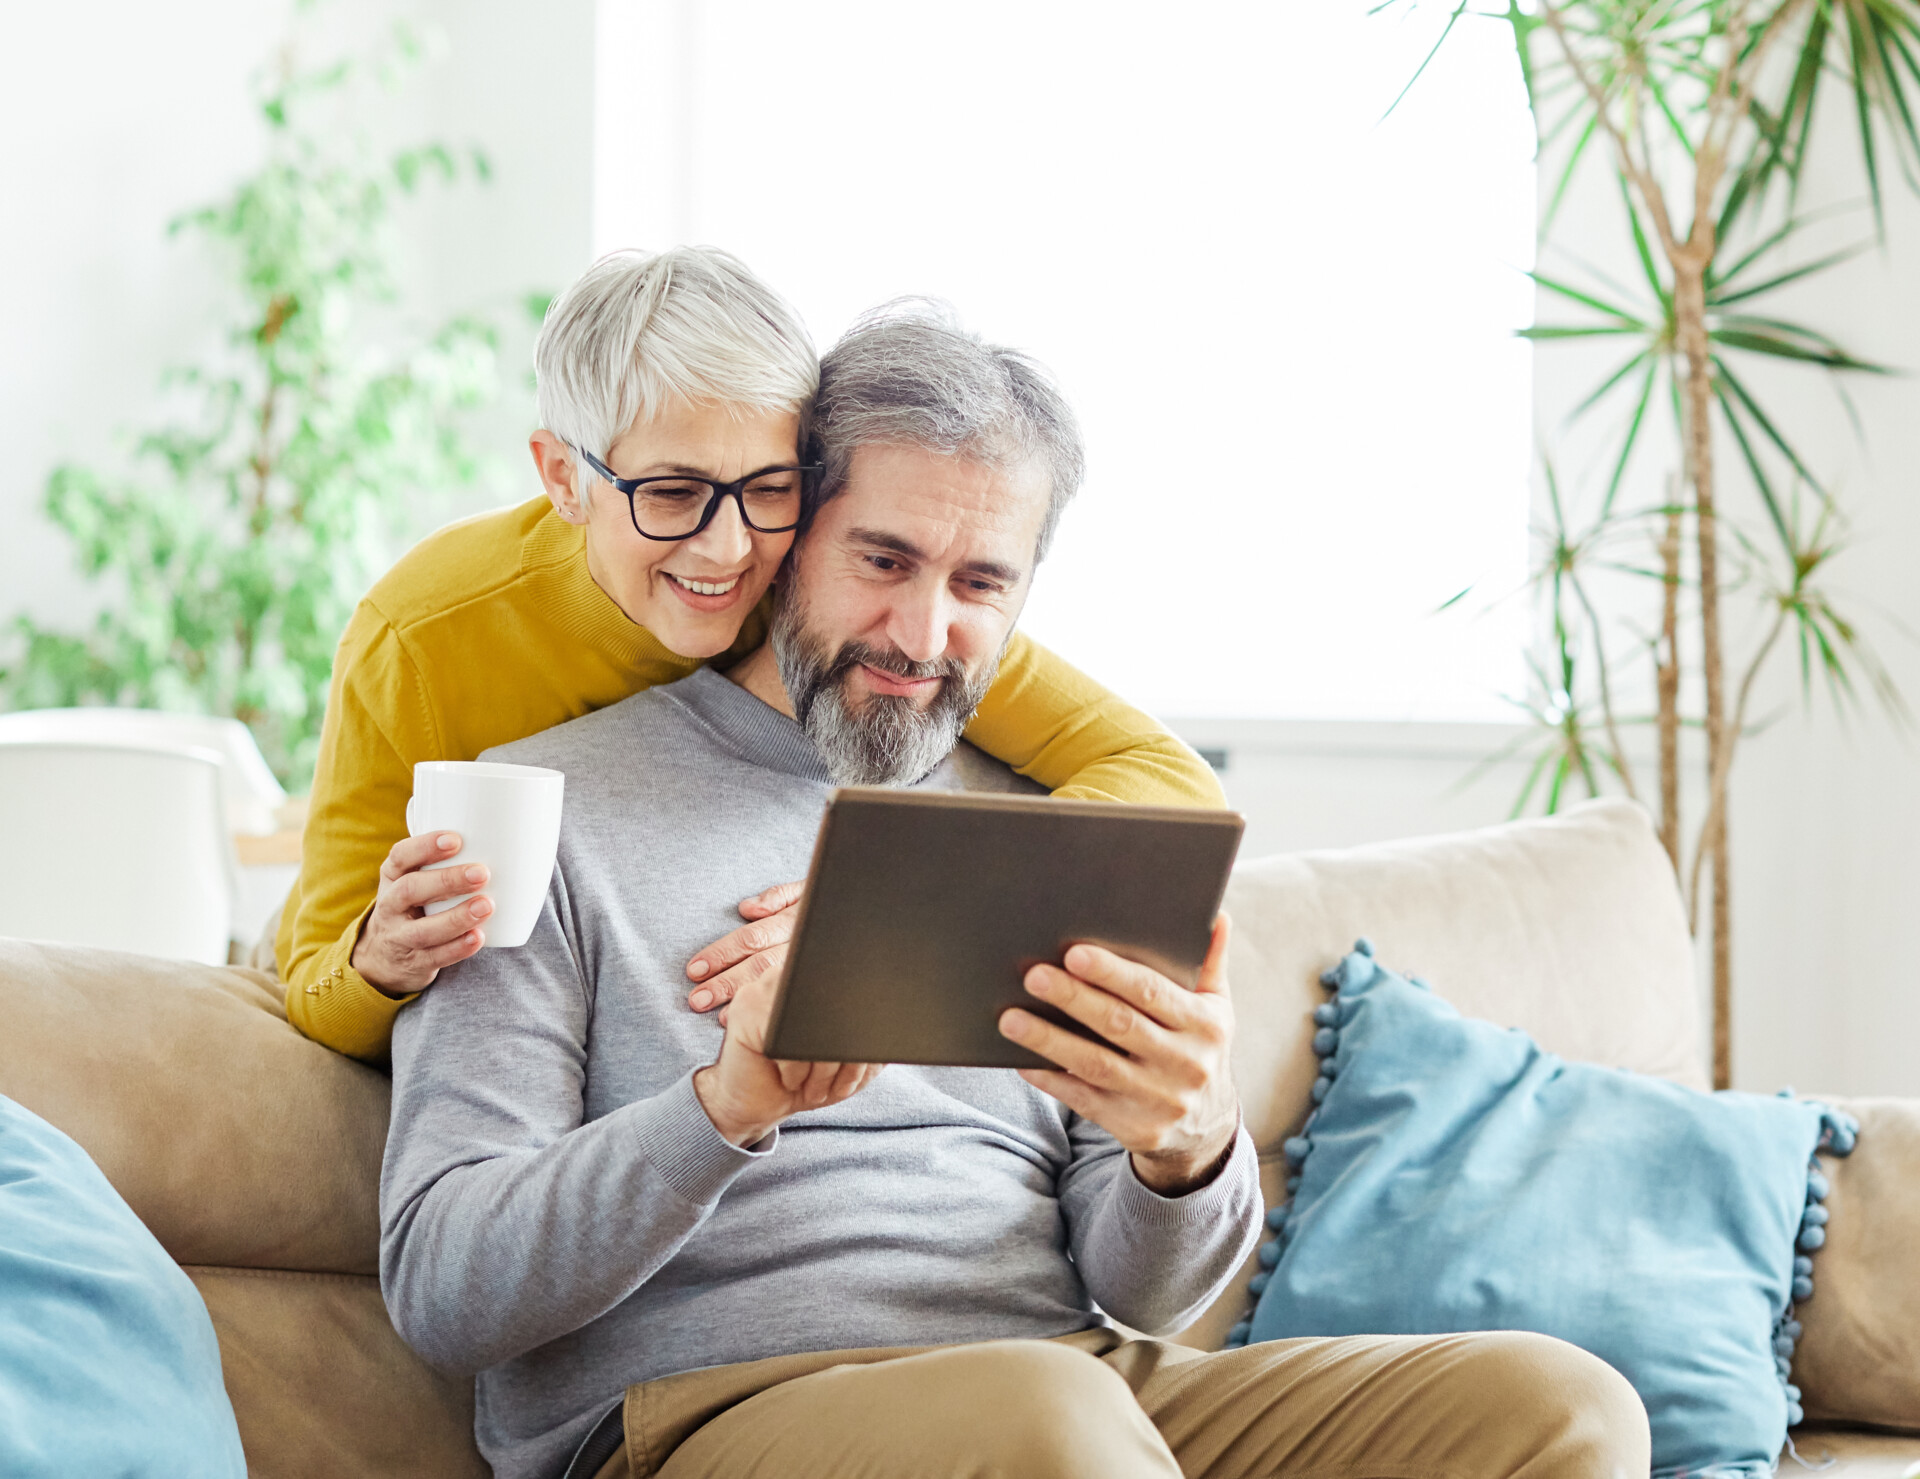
[{"x": 1838, "y": 1132}]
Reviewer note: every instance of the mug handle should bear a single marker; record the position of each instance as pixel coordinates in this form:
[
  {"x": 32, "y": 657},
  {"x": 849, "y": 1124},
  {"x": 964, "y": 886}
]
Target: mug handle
[{"x": 412, "y": 831}]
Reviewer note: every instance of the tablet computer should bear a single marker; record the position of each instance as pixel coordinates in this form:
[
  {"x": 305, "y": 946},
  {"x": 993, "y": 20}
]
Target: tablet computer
[{"x": 924, "y": 910}]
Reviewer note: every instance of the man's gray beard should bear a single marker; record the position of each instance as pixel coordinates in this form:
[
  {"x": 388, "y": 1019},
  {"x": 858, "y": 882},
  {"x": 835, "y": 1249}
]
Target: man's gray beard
[{"x": 888, "y": 740}]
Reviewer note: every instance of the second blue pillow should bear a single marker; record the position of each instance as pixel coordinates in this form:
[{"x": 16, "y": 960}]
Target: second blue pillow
[
  {"x": 108, "y": 1361},
  {"x": 1457, "y": 1177}
]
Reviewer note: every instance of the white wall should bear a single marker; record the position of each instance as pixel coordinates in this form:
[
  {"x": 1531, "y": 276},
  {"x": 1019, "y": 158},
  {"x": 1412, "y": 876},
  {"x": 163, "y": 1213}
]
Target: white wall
[
  {"x": 118, "y": 116},
  {"x": 1308, "y": 785},
  {"x": 518, "y": 80},
  {"x": 102, "y": 149}
]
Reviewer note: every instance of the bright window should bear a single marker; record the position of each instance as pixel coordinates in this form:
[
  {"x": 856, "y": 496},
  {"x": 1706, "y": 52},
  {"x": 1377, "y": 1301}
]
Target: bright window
[{"x": 1286, "y": 325}]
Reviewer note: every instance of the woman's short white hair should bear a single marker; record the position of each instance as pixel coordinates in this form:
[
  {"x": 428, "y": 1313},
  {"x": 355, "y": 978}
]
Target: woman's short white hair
[{"x": 639, "y": 330}]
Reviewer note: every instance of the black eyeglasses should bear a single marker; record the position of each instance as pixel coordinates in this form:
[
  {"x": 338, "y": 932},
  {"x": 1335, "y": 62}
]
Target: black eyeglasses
[{"x": 770, "y": 500}]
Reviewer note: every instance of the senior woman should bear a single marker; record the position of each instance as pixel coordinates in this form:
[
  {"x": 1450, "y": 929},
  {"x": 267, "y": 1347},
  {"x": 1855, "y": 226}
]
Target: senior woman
[{"x": 677, "y": 365}]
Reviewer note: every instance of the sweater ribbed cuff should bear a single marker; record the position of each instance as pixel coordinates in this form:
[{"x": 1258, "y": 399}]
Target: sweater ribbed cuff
[
  {"x": 335, "y": 1005},
  {"x": 1238, "y": 1176},
  {"x": 689, "y": 1154}
]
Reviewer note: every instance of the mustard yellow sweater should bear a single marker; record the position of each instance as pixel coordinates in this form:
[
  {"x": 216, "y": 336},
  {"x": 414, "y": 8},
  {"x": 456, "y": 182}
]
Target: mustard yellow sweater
[{"x": 491, "y": 630}]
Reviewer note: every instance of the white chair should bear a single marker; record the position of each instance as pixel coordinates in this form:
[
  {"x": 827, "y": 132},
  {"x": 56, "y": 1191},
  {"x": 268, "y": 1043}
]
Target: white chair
[
  {"x": 252, "y": 793},
  {"x": 118, "y": 846}
]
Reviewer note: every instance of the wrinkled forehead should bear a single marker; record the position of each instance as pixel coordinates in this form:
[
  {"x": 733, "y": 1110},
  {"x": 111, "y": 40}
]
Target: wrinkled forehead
[{"x": 951, "y": 508}]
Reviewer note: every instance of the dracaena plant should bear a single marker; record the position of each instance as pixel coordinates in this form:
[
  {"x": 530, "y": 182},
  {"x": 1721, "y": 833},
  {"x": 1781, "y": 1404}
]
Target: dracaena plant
[
  {"x": 240, "y": 532},
  {"x": 1701, "y": 111}
]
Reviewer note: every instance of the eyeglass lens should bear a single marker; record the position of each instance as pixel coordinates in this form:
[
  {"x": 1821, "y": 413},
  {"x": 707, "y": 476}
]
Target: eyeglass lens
[{"x": 669, "y": 507}]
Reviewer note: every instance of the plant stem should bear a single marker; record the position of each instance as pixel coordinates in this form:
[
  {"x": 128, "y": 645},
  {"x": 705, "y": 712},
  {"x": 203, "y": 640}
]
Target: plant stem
[
  {"x": 1666, "y": 676},
  {"x": 1717, "y": 802},
  {"x": 1726, "y": 108},
  {"x": 1691, "y": 259},
  {"x": 262, "y": 459},
  {"x": 279, "y": 311},
  {"x": 1621, "y": 765},
  {"x": 1690, "y": 324}
]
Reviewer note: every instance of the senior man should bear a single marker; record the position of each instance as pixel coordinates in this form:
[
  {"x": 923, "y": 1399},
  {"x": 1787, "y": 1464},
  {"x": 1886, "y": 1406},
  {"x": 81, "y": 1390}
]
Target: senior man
[{"x": 667, "y": 1254}]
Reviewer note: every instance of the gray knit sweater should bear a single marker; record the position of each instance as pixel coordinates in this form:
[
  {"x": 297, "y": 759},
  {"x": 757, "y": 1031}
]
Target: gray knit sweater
[{"x": 558, "y": 1213}]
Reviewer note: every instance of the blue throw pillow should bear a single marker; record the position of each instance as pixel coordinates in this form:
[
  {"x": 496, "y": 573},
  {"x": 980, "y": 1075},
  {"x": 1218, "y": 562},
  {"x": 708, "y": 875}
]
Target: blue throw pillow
[
  {"x": 108, "y": 1362},
  {"x": 1455, "y": 1177}
]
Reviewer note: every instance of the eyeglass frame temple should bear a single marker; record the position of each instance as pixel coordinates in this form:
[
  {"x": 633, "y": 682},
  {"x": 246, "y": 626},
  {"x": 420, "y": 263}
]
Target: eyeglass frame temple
[{"x": 721, "y": 491}]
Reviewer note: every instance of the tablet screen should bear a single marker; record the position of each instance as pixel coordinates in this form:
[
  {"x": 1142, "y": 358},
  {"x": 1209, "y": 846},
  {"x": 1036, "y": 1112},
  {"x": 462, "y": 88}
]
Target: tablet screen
[{"x": 924, "y": 910}]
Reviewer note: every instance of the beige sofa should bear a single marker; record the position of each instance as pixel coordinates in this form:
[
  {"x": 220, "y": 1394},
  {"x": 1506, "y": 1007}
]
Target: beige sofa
[{"x": 254, "y": 1155}]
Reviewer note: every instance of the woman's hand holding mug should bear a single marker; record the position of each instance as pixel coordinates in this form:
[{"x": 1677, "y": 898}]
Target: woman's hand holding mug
[
  {"x": 473, "y": 823},
  {"x": 402, "y": 947}
]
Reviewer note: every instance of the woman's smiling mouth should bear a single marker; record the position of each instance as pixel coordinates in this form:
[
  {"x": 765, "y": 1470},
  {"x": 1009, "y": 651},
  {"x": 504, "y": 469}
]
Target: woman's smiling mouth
[{"x": 706, "y": 588}]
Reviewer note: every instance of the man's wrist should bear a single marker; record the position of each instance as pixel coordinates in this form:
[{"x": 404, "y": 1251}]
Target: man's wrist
[
  {"x": 733, "y": 1128},
  {"x": 1179, "y": 1175}
]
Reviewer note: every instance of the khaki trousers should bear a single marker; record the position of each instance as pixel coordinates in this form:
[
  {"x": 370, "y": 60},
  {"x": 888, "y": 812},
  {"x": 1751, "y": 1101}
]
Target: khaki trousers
[{"x": 1096, "y": 1405}]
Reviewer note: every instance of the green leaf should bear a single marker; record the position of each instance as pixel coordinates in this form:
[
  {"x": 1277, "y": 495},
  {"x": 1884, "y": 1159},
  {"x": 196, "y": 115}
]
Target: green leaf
[
  {"x": 1553, "y": 496},
  {"x": 1568, "y": 291},
  {"x": 1762, "y": 483},
  {"x": 1446, "y": 31},
  {"x": 1858, "y": 47},
  {"x": 1540, "y": 764},
  {"x": 1645, "y": 252},
  {"x": 1722, "y": 275},
  {"x": 1721, "y": 298},
  {"x": 1886, "y": 43},
  {"x": 1779, "y": 346},
  {"x": 1659, "y": 95},
  {"x": 1765, "y": 423},
  {"x": 1560, "y": 770},
  {"x": 1632, "y": 437},
  {"x": 1599, "y": 392},
  {"x": 1577, "y": 331},
  {"x": 1574, "y": 156},
  {"x": 1523, "y": 26},
  {"x": 1781, "y": 146}
]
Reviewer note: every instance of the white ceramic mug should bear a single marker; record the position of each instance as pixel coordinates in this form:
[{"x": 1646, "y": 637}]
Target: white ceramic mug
[{"x": 508, "y": 818}]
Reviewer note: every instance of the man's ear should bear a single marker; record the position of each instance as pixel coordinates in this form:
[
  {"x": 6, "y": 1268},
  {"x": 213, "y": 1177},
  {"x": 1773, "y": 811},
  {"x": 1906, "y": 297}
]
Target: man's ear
[{"x": 553, "y": 460}]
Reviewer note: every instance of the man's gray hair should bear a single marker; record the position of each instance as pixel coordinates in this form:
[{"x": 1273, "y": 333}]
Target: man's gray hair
[
  {"x": 639, "y": 330},
  {"x": 907, "y": 373}
]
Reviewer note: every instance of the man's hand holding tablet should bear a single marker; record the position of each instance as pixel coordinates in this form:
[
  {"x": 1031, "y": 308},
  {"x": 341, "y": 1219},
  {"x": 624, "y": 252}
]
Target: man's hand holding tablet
[
  {"x": 1161, "y": 1083},
  {"x": 747, "y": 1094}
]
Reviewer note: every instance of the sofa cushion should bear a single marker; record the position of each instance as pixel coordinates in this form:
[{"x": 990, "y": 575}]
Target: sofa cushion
[
  {"x": 107, "y": 1362},
  {"x": 1455, "y": 1177},
  {"x": 1859, "y": 1356},
  {"x": 1852, "y": 1455},
  {"x": 1567, "y": 927},
  {"x": 235, "y": 1139},
  {"x": 323, "y": 1387}
]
